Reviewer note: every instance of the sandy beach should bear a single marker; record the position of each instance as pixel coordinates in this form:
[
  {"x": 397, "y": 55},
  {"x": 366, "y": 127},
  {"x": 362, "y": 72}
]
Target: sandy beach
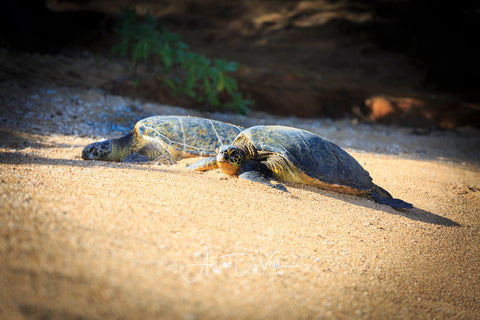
[{"x": 95, "y": 240}]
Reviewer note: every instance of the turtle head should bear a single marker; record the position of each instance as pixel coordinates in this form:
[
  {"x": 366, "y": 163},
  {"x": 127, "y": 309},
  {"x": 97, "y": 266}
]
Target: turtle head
[
  {"x": 98, "y": 151},
  {"x": 230, "y": 159},
  {"x": 110, "y": 150}
]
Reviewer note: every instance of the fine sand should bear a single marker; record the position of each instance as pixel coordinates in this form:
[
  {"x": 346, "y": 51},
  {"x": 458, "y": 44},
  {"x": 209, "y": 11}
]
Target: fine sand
[{"x": 97, "y": 240}]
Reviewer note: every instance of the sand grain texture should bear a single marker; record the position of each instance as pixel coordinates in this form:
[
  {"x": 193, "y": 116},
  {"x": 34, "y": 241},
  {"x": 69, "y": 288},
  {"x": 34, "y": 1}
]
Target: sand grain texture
[{"x": 96, "y": 240}]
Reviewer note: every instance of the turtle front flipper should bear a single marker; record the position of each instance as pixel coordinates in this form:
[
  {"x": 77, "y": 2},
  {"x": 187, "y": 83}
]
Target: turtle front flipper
[
  {"x": 257, "y": 172},
  {"x": 204, "y": 164},
  {"x": 154, "y": 151},
  {"x": 136, "y": 158}
]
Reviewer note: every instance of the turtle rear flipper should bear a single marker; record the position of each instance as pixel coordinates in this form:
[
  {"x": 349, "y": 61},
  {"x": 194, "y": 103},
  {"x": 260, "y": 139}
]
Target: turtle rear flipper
[
  {"x": 381, "y": 196},
  {"x": 151, "y": 152}
]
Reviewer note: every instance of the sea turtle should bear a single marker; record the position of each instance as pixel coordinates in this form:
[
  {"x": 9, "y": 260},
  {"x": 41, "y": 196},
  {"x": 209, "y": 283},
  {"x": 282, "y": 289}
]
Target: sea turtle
[
  {"x": 263, "y": 153},
  {"x": 166, "y": 138}
]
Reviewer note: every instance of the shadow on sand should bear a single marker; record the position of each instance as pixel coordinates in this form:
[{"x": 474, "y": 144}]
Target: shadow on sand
[
  {"x": 414, "y": 213},
  {"x": 417, "y": 214},
  {"x": 18, "y": 158}
]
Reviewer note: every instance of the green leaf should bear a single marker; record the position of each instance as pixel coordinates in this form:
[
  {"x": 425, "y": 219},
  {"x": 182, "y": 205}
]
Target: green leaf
[
  {"x": 213, "y": 98},
  {"x": 166, "y": 56},
  {"x": 182, "y": 46},
  {"x": 145, "y": 50},
  {"x": 191, "y": 80},
  {"x": 230, "y": 85},
  {"x": 191, "y": 93},
  {"x": 221, "y": 82},
  {"x": 206, "y": 83},
  {"x": 190, "y": 74},
  {"x": 213, "y": 73},
  {"x": 136, "y": 52},
  {"x": 170, "y": 84},
  {"x": 219, "y": 63},
  {"x": 232, "y": 66},
  {"x": 200, "y": 72}
]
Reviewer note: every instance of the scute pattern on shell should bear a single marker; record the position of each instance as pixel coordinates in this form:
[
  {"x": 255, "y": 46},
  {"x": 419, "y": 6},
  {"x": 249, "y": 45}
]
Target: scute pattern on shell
[
  {"x": 316, "y": 157},
  {"x": 192, "y": 135}
]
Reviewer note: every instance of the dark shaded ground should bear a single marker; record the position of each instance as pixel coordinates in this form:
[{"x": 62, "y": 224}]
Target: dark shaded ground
[{"x": 405, "y": 62}]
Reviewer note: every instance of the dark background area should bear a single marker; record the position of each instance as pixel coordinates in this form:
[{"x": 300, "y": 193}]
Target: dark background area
[{"x": 404, "y": 62}]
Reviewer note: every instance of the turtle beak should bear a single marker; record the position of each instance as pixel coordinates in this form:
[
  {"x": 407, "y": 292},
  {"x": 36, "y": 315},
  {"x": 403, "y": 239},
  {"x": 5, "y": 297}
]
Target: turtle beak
[
  {"x": 221, "y": 157},
  {"x": 87, "y": 153},
  {"x": 97, "y": 150}
]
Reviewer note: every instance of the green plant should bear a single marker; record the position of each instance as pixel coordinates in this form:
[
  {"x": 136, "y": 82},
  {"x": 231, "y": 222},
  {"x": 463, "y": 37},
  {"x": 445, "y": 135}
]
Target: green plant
[{"x": 184, "y": 72}]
